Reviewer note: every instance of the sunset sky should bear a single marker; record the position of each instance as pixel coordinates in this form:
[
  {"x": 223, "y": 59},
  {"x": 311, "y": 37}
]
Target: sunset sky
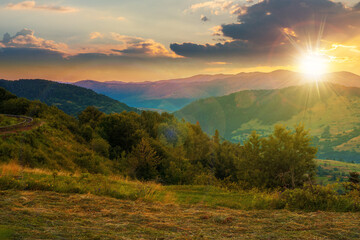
[{"x": 143, "y": 40}]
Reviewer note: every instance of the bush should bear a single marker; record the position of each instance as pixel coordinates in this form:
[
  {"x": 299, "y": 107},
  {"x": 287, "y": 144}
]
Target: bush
[
  {"x": 314, "y": 198},
  {"x": 100, "y": 146}
]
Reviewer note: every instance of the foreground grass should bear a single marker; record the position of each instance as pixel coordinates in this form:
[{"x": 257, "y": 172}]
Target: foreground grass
[
  {"x": 48, "y": 215},
  {"x": 40, "y": 204},
  {"x": 312, "y": 198}
]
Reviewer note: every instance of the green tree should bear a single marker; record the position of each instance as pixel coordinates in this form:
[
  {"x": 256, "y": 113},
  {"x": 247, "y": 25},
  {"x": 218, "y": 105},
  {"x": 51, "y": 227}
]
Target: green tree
[
  {"x": 122, "y": 130},
  {"x": 143, "y": 161},
  {"x": 100, "y": 146},
  {"x": 91, "y": 115},
  {"x": 288, "y": 158}
]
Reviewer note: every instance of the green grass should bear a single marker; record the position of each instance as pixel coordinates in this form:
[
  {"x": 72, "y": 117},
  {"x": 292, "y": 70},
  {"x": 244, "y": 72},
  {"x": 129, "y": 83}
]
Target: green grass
[
  {"x": 6, "y": 232},
  {"x": 40, "y": 204},
  {"x": 335, "y": 171},
  {"x": 7, "y": 121},
  {"x": 217, "y": 197},
  {"x": 342, "y": 166},
  {"x": 309, "y": 199}
]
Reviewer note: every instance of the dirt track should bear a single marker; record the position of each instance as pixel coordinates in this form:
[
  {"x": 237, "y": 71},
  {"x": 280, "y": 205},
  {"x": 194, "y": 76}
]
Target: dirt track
[{"x": 25, "y": 125}]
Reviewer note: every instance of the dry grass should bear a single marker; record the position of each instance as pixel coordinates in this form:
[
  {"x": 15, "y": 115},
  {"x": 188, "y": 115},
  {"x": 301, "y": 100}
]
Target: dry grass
[
  {"x": 11, "y": 169},
  {"x": 14, "y": 169},
  {"x": 48, "y": 215}
]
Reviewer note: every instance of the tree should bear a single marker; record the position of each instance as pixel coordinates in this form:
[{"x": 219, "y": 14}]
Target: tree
[
  {"x": 123, "y": 130},
  {"x": 91, "y": 115},
  {"x": 143, "y": 161},
  {"x": 289, "y": 157},
  {"x": 354, "y": 181},
  {"x": 100, "y": 146},
  {"x": 283, "y": 159}
]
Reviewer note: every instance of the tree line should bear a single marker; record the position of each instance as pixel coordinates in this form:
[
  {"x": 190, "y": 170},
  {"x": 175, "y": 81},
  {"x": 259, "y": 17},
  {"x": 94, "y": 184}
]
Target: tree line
[{"x": 150, "y": 146}]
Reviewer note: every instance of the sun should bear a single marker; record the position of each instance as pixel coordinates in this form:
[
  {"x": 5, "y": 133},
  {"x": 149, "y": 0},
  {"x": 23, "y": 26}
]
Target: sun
[{"x": 313, "y": 64}]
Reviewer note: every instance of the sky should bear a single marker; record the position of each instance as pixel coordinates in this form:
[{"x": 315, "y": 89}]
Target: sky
[{"x": 143, "y": 40}]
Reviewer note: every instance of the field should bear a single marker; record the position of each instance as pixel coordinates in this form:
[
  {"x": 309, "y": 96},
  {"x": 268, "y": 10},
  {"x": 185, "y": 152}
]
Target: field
[
  {"x": 330, "y": 171},
  {"x": 48, "y": 215},
  {"x": 42, "y": 204}
]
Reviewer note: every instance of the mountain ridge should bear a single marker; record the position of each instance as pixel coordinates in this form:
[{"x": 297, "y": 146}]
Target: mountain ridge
[
  {"x": 172, "y": 95},
  {"x": 67, "y": 97}
]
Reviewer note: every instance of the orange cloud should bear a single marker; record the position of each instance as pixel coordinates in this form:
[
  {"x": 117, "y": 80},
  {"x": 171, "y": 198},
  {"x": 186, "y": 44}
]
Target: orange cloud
[
  {"x": 95, "y": 35},
  {"x": 31, "y": 5},
  {"x": 138, "y": 45},
  {"x": 217, "y": 63},
  {"x": 26, "y": 39}
]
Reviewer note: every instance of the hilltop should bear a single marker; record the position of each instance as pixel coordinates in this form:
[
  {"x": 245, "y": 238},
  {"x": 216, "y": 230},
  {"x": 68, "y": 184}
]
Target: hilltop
[{"x": 69, "y": 98}]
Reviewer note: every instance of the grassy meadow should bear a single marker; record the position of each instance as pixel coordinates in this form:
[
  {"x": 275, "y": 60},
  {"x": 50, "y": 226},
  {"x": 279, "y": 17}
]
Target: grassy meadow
[
  {"x": 49, "y": 215},
  {"x": 43, "y": 204}
]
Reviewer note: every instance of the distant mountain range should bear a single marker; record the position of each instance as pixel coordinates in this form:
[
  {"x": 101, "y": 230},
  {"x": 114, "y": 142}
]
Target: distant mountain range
[
  {"x": 69, "y": 98},
  {"x": 330, "y": 111},
  {"x": 172, "y": 95}
]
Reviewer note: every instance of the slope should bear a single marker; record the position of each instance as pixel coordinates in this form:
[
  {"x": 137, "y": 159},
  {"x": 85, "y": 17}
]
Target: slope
[
  {"x": 331, "y": 111},
  {"x": 71, "y": 99}
]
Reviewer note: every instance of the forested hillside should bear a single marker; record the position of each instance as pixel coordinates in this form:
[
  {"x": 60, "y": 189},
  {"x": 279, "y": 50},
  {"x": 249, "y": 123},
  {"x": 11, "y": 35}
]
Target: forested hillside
[
  {"x": 153, "y": 146},
  {"x": 331, "y": 112},
  {"x": 69, "y": 98}
]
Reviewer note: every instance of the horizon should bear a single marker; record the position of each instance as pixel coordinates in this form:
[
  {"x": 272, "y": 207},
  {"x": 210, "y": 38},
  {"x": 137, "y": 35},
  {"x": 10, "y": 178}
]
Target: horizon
[
  {"x": 153, "y": 41},
  {"x": 182, "y": 78}
]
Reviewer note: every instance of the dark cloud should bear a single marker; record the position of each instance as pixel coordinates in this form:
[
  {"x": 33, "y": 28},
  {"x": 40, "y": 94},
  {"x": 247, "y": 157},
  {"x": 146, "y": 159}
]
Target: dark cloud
[
  {"x": 31, "y": 55},
  {"x": 26, "y": 39},
  {"x": 263, "y": 22},
  {"x": 357, "y": 6},
  {"x": 264, "y": 27},
  {"x": 237, "y": 51},
  {"x": 204, "y": 18}
]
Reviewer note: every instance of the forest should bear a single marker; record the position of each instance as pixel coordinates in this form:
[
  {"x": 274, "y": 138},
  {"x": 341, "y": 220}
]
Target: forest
[{"x": 158, "y": 147}]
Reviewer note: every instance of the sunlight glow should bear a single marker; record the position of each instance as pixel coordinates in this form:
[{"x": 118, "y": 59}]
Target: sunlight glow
[{"x": 313, "y": 64}]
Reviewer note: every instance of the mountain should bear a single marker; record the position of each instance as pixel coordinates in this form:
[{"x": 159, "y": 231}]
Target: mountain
[
  {"x": 330, "y": 111},
  {"x": 69, "y": 98},
  {"x": 171, "y": 95}
]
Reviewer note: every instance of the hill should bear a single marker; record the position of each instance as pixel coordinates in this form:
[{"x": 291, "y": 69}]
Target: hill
[
  {"x": 71, "y": 99},
  {"x": 171, "y": 95},
  {"x": 149, "y": 146},
  {"x": 330, "y": 111},
  {"x": 330, "y": 171}
]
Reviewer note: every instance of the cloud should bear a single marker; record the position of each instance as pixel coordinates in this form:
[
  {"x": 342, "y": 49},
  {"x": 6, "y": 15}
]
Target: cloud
[
  {"x": 217, "y": 63},
  {"x": 264, "y": 21},
  {"x": 113, "y": 18},
  {"x": 203, "y": 18},
  {"x": 266, "y": 27},
  {"x": 95, "y": 35},
  {"x": 219, "y": 6},
  {"x": 31, "y": 5},
  {"x": 121, "y": 18},
  {"x": 137, "y": 45},
  {"x": 110, "y": 44},
  {"x": 26, "y": 39}
]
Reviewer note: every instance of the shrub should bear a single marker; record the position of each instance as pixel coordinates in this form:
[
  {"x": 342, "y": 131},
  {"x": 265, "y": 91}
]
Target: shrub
[
  {"x": 100, "y": 146},
  {"x": 313, "y": 198}
]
